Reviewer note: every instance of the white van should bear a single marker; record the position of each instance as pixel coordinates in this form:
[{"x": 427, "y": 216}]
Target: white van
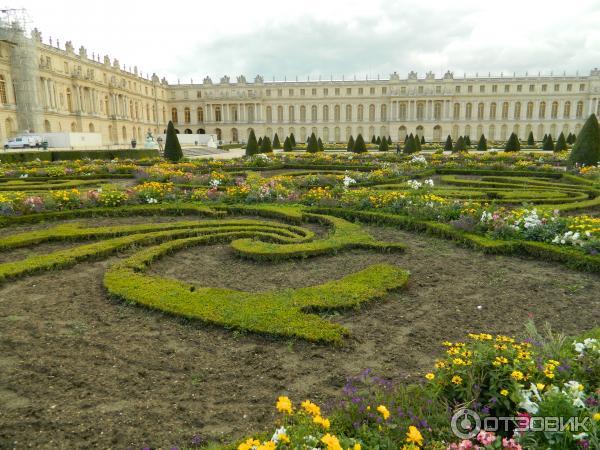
[{"x": 24, "y": 141}]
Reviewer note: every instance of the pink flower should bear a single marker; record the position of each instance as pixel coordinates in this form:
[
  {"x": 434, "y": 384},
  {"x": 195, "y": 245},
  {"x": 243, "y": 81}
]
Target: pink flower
[
  {"x": 510, "y": 444},
  {"x": 523, "y": 420},
  {"x": 464, "y": 445},
  {"x": 486, "y": 438}
]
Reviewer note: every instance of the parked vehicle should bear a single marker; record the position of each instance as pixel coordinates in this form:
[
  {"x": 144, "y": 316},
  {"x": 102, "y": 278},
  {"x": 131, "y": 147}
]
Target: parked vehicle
[{"x": 24, "y": 141}]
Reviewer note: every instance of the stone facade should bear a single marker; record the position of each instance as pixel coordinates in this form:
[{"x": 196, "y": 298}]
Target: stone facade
[{"x": 81, "y": 92}]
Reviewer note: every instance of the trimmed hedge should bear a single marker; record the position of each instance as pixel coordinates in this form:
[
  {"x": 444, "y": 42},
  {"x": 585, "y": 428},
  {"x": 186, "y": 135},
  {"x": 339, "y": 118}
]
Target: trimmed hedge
[
  {"x": 70, "y": 155},
  {"x": 569, "y": 256}
]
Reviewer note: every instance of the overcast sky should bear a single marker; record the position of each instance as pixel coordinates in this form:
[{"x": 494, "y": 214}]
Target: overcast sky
[{"x": 277, "y": 38}]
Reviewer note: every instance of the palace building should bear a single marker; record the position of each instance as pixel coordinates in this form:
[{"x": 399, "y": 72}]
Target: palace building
[{"x": 46, "y": 88}]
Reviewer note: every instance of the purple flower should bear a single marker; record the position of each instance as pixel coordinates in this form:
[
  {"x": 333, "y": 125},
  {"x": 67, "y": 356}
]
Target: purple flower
[{"x": 196, "y": 440}]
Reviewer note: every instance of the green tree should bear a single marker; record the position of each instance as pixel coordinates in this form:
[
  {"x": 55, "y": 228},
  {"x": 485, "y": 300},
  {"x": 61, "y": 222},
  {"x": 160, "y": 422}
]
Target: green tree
[
  {"x": 359, "y": 145},
  {"x": 544, "y": 139},
  {"x": 587, "y": 146},
  {"x": 287, "y": 144},
  {"x": 350, "y": 146},
  {"x": 549, "y": 143},
  {"x": 513, "y": 144},
  {"x": 460, "y": 145},
  {"x": 561, "y": 143},
  {"x": 389, "y": 139},
  {"x": 384, "y": 146},
  {"x": 252, "y": 145},
  {"x": 468, "y": 141},
  {"x": 448, "y": 144},
  {"x": 422, "y": 139},
  {"x": 373, "y": 140},
  {"x": 530, "y": 140},
  {"x": 265, "y": 146},
  {"x": 410, "y": 146},
  {"x": 172, "y": 147},
  {"x": 418, "y": 143},
  {"x": 260, "y": 139},
  {"x": 482, "y": 144},
  {"x": 276, "y": 143},
  {"x": 293, "y": 140},
  {"x": 313, "y": 145},
  {"x": 320, "y": 145}
]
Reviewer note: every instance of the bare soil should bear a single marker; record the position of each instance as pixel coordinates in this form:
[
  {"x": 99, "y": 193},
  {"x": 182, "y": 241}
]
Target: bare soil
[{"x": 80, "y": 370}]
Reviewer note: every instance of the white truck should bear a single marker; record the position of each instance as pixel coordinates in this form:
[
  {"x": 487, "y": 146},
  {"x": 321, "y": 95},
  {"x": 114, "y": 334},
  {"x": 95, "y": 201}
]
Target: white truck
[{"x": 24, "y": 141}]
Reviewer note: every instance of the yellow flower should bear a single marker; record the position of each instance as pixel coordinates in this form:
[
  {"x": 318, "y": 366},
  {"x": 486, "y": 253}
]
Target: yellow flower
[
  {"x": 440, "y": 364},
  {"x": 311, "y": 408},
  {"x": 430, "y": 376},
  {"x": 284, "y": 405},
  {"x": 284, "y": 438},
  {"x": 249, "y": 444},
  {"x": 414, "y": 436},
  {"x": 540, "y": 386},
  {"x": 597, "y": 417},
  {"x": 456, "y": 379},
  {"x": 321, "y": 421},
  {"x": 504, "y": 392},
  {"x": 517, "y": 375},
  {"x": 331, "y": 442},
  {"x": 356, "y": 447},
  {"x": 383, "y": 411}
]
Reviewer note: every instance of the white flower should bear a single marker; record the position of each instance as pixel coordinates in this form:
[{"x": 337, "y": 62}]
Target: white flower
[
  {"x": 418, "y": 159},
  {"x": 278, "y": 433},
  {"x": 152, "y": 200},
  {"x": 214, "y": 183},
  {"x": 348, "y": 180},
  {"x": 414, "y": 184},
  {"x": 580, "y": 436}
]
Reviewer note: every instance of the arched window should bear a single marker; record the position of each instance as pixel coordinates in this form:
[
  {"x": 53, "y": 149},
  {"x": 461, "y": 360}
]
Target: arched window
[
  {"x": 383, "y": 113},
  {"x": 124, "y": 133},
  {"x": 402, "y": 133},
  {"x": 579, "y": 111},
  {"x": 47, "y": 127},
  {"x": 336, "y": 113},
  {"x": 420, "y": 110},
  {"x": 250, "y": 115},
  {"x": 218, "y": 115},
  {"x": 348, "y": 113},
  {"x": 542, "y": 110},
  {"x": 480, "y": 111},
  {"x": 554, "y": 110},
  {"x": 492, "y": 111},
  {"x": 492, "y": 133},
  {"x": 91, "y": 128},
  {"x": 419, "y": 131},
  {"x": 280, "y": 114},
  {"x": 325, "y": 115},
  {"x": 567, "y": 110},
  {"x": 517, "y": 112},
  {"x": 218, "y": 132},
  {"x": 456, "y": 112},
  {"x": 371, "y": 113},
  {"x": 174, "y": 116},
  {"x": 302, "y": 113},
  {"x": 468, "y": 111},
  {"x": 234, "y": 135},
  {"x": 360, "y": 113},
  {"x": 503, "y": 132},
  {"x": 187, "y": 116},
  {"x": 437, "y": 111},
  {"x": 402, "y": 111},
  {"x": 336, "y": 134},
  {"x": 269, "y": 114},
  {"x": 437, "y": 133},
  {"x": 291, "y": 114},
  {"x": 529, "y": 110},
  {"x": 505, "y": 110},
  {"x": 326, "y": 134},
  {"x": 313, "y": 113},
  {"x": 468, "y": 131},
  {"x": 164, "y": 114},
  {"x": 200, "y": 114},
  {"x": 147, "y": 112},
  {"x": 3, "y": 97}
]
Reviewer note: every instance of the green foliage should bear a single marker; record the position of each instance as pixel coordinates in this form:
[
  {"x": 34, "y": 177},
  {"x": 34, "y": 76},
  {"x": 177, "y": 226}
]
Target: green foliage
[
  {"x": 293, "y": 140},
  {"x": 172, "y": 147},
  {"x": 384, "y": 146},
  {"x": 320, "y": 145},
  {"x": 313, "y": 145},
  {"x": 513, "y": 144},
  {"x": 389, "y": 140},
  {"x": 460, "y": 145},
  {"x": 422, "y": 139},
  {"x": 350, "y": 146},
  {"x": 276, "y": 143},
  {"x": 287, "y": 144},
  {"x": 561, "y": 143},
  {"x": 482, "y": 144},
  {"x": 72, "y": 155},
  {"x": 548, "y": 143},
  {"x": 359, "y": 145},
  {"x": 587, "y": 146},
  {"x": 467, "y": 141},
  {"x": 265, "y": 146},
  {"x": 530, "y": 140},
  {"x": 260, "y": 141},
  {"x": 252, "y": 145},
  {"x": 418, "y": 143},
  {"x": 373, "y": 140},
  {"x": 378, "y": 141},
  {"x": 410, "y": 145},
  {"x": 448, "y": 145}
]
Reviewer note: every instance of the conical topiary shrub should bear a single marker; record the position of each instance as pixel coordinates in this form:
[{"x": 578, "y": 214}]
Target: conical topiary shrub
[
  {"x": 172, "y": 147},
  {"x": 482, "y": 144},
  {"x": 548, "y": 143},
  {"x": 359, "y": 145},
  {"x": 287, "y": 144},
  {"x": 350, "y": 146},
  {"x": 252, "y": 145},
  {"x": 313, "y": 145},
  {"x": 293, "y": 140},
  {"x": 561, "y": 143},
  {"x": 513, "y": 144},
  {"x": 383, "y": 146},
  {"x": 448, "y": 145},
  {"x": 276, "y": 143},
  {"x": 587, "y": 145}
]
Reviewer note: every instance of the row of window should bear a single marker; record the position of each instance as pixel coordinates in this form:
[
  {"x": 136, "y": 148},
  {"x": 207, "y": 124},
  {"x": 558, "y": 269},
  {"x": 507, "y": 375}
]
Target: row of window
[
  {"x": 383, "y": 90},
  {"x": 505, "y": 113}
]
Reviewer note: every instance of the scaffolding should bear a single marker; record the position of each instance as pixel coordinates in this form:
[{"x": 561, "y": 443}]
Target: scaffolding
[{"x": 15, "y": 29}]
